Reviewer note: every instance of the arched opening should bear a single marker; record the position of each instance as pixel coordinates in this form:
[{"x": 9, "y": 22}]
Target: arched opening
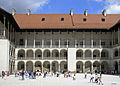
[
  {"x": 88, "y": 65},
  {"x": 55, "y": 66},
  {"x": 38, "y": 54},
  {"x": 96, "y": 54},
  {"x": 21, "y": 54},
  {"x": 116, "y": 53},
  {"x": 96, "y": 66},
  {"x": 46, "y": 54},
  {"x": 21, "y": 65},
  {"x": 104, "y": 66},
  {"x": 63, "y": 54},
  {"x": 55, "y": 54},
  {"x": 29, "y": 54},
  {"x": 79, "y": 54},
  {"x": 29, "y": 66},
  {"x": 38, "y": 66},
  {"x": 104, "y": 54},
  {"x": 63, "y": 66},
  {"x": 79, "y": 67},
  {"x": 88, "y": 54},
  {"x": 46, "y": 66},
  {"x": 116, "y": 66}
]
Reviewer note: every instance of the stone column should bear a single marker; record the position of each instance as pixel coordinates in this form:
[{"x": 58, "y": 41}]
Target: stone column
[
  {"x": 34, "y": 39},
  {"x": 16, "y": 65},
  {"x": 83, "y": 67},
  {"x": 59, "y": 43},
  {"x": 26, "y": 41},
  {"x": 118, "y": 35},
  {"x": 91, "y": 67},
  {"x": 8, "y": 30},
  {"x": 50, "y": 66},
  {"x": 51, "y": 43},
  {"x": 25, "y": 66},
  {"x": 42, "y": 67},
  {"x": 4, "y": 26},
  {"x": 42, "y": 43}
]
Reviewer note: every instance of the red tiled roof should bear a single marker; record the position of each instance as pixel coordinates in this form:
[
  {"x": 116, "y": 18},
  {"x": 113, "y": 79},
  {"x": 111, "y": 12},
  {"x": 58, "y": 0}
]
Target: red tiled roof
[{"x": 53, "y": 21}]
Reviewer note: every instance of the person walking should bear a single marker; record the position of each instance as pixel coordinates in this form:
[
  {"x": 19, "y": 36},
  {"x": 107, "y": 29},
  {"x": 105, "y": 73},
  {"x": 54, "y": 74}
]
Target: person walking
[
  {"x": 22, "y": 75},
  {"x": 100, "y": 81},
  {"x": 91, "y": 77},
  {"x": 85, "y": 75}
]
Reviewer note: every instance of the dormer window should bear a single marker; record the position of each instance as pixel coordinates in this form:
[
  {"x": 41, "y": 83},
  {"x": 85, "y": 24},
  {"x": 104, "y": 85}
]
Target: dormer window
[
  {"x": 62, "y": 19},
  {"x": 84, "y": 19},
  {"x": 103, "y": 19},
  {"x": 43, "y": 19}
]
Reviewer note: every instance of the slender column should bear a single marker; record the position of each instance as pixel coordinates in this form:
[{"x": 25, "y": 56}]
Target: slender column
[
  {"x": 100, "y": 67},
  {"x": 67, "y": 43},
  {"x": 25, "y": 66},
  {"x": 118, "y": 35},
  {"x": 42, "y": 43},
  {"x": 83, "y": 67},
  {"x": 16, "y": 66},
  {"x": 59, "y": 42},
  {"x": 100, "y": 44},
  {"x": 92, "y": 54},
  {"x": 34, "y": 39},
  {"x": 4, "y": 26},
  {"x": 34, "y": 54},
  {"x": 50, "y": 67},
  {"x": 83, "y": 40},
  {"x": 91, "y": 39},
  {"x": 8, "y": 30},
  {"x": 25, "y": 54},
  {"x": 51, "y": 43},
  {"x": 84, "y": 54},
  {"x": 91, "y": 67},
  {"x": 76, "y": 43}
]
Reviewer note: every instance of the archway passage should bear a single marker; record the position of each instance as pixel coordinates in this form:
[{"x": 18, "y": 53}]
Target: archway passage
[
  {"x": 96, "y": 66},
  {"x": 46, "y": 66},
  {"x": 88, "y": 65},
  {"x": 21, "y": 54},
  {"x": 63, "y": 66},
  {"x": 55, "y": 66},
  {"x": 88, "y": 54},
  {"x": 96, "y": 54},
  {"x": 79, "y": 54},
  {"x": 116, "y": 66},
  {"x": 79, "y": 67},
  {"x": 21, "y": 65},
  {"x": 29, "y": 66},
  {"x": 29, "y": 54},
  {"x": 38, "y": 54},
  {"x": 104, "y": 66},
  {"x": 38, "y": 66}
]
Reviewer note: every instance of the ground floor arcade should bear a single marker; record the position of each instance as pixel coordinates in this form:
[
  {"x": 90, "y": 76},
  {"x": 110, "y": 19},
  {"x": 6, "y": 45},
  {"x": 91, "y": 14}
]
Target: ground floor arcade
[{"x": 62, "y": 66}]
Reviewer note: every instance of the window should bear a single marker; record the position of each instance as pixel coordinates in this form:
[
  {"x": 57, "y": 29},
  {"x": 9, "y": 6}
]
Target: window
[
  {"x": 103, "y": 20},
  {"x": 43, "y": 19},
  {"x": 102, "y": 43},
  {"x": 62, "y": 19},
  {"x": 94, "y": 43},
  {"x": 21, "y": 42},
  {"x": 81, "y": 43},
  {"x": 65, "y": 66},
  {"x": 78, "y": 66},
  {"x": 39, "y": 55},
  {"x": 84, "y": 19}
]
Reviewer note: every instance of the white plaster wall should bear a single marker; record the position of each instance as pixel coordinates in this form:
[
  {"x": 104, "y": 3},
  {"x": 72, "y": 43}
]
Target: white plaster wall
[
  {"x": 71, "y": 59},
  {"x": 4, "y": 55}
]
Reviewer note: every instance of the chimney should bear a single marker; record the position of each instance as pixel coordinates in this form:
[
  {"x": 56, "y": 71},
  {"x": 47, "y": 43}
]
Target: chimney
[
  {"x": 104, "y": 12},
  {"x": 86, "y": 12},
  {"x": 13, "y": 11},
  {"x": 71, "y": 12},
  {"x": 28, "y": 12}
]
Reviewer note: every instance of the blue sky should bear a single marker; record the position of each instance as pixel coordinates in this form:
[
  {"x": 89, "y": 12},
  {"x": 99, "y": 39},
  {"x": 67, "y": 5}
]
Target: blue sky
[
  {"x": 62, "y": 6},
  {"x": 78, "y": 6}
]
